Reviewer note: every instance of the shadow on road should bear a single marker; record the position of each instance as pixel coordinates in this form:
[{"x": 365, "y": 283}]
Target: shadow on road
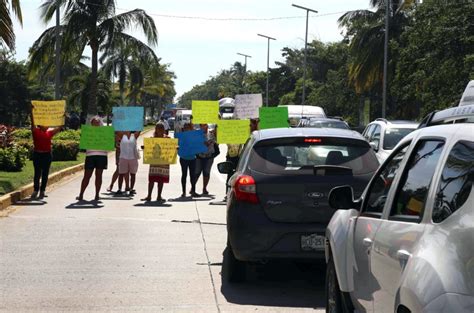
[
  {"x": 85, "y": 205},
  {"x": 187, "y": 199},
  {"x": 30, "y": 202},
  {"x": 153, "y": 204},
  {"x": 280, "y": 283}
]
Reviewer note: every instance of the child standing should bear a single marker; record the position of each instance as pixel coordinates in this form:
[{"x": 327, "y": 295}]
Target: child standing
[{"x": 158, "y": 173}]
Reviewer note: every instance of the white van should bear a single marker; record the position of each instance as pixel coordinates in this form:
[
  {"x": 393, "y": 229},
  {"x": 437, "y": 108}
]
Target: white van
[
  {"x": 182, "y": 117},
  {"x": 297, "y": 112}
]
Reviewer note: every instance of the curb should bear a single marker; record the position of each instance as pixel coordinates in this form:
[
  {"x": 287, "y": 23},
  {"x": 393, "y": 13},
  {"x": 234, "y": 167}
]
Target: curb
[{"x": 23, "y": 192}]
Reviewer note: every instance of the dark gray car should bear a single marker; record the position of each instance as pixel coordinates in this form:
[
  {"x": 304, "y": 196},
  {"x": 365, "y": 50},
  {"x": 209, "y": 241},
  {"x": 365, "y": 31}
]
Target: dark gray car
[{"x": 277, "y": 205}]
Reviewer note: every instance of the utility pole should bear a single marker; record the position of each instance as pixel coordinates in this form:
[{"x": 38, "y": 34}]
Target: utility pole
[
  {"x": 305, "y": 48},
  {"x": 57, "y": 76},
  {"x": 246, "y": 56},
  {"x": 268, "y": 63},
  {"x": 385, "y": 59}
]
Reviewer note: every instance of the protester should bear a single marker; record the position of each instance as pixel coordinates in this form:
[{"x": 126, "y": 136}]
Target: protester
[
  {"x": 128, "y": 161},
  {"x": 165, "y": 124},
  {"x": 158, "y": 173},
  {"x": 118, "y": 138},
  {"x": 188, "y": 162},
  {"x": 42, "y": 157},
  {"x": 204, "y": 160},
  {"x": 95, "y": 160},
  {"x": 233, "y": 152}
]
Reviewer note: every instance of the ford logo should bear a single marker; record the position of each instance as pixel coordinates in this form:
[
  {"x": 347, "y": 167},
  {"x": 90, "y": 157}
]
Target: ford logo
[{"x": 316, "y": 195}]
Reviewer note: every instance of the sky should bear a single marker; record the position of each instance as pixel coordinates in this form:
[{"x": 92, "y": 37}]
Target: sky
[{"x": 198, "y": 49}]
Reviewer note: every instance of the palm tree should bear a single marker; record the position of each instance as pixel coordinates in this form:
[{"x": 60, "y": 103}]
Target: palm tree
[
  {"x": 92, "y": 23},
  {"x": 7, "y": 35},
  {"x": 128, "y": 62},
  {"x": 79, "y": 88},
  {"x": 366, "y": 30}
]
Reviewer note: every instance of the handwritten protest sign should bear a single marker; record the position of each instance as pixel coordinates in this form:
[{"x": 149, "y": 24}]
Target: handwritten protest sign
[
  {"x": 273, "y": 117},
  {"x": 233, "y": 131},
  {"x": 191, "y": 143},
  {"x": 97, "y": 138},
  {"x": 127, "y": 118},
  {"x": 205, "y": 112},
  {"x": 246, "y": 106},
  {"x": 49, "y": 113},
  {"x": 160, "y": 151}
]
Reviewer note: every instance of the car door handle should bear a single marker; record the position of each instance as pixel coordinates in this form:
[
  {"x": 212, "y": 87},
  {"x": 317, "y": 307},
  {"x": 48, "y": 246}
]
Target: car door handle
[
  {"x": 403, "y": 255},
  {"x": 367, "y": 242}
]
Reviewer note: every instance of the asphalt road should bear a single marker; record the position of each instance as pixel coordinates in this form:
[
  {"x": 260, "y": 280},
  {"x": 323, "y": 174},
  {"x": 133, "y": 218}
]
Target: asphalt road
[{"x": 123, "y": 255}]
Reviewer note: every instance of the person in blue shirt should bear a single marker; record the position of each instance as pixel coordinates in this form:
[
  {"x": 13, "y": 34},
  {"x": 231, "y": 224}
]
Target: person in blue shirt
[{"x": 188, "y": 162}]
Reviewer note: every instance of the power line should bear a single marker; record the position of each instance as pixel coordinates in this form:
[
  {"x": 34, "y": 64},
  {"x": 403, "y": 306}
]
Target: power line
[{"x": 237, "y": 18}]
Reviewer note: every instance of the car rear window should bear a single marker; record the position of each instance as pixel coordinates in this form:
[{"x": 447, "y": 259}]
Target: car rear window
[
  {"x": 393, "y": 136},
  {"x": 287, "y": 155},
  {"x": 328, "y": 124}
]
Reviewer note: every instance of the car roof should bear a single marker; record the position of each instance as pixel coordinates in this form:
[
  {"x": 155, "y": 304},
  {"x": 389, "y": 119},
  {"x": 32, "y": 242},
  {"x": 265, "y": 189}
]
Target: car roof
[
  {"x": 306, "y": 132},
  {"x": 323, "y": 119}
]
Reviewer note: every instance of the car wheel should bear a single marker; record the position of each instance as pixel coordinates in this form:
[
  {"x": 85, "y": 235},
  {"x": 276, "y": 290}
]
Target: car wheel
[
  {"x": 336, "y": 300},
  {"x": 233, "y": 270}
]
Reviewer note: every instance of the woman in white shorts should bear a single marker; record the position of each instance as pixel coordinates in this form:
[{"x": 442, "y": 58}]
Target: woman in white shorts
[{"x": 128, "y": 162}]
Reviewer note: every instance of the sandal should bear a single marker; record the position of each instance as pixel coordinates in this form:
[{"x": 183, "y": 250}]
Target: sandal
[{"x": 147, "y": 199}]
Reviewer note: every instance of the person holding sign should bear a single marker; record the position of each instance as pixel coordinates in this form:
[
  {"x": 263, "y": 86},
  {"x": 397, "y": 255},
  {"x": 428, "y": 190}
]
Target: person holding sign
[
  {"x": 128, "y": 162},
  {"x": 188, "y": 162},
  {"x": 204, "y": 160},
  {"x": 42, "y": 157},
  {"x": 158, "y": 173},
  {"x": 95, "y": 160}
]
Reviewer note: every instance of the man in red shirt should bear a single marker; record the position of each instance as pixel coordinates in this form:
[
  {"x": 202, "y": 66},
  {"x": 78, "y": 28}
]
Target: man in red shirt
[{"x": 42, "y": 156}]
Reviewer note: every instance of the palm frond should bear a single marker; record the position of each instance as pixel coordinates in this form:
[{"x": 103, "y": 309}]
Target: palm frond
[{"x": 136, "y": 18}]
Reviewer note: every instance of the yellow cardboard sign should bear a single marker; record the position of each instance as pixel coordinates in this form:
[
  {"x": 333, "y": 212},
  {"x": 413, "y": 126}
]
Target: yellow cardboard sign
[
  {"x": 160, "y": 151},
  {"x": 49, "y": 113},
  {"x": 233, "y": 131},
  {"x": 205, "y": 112}
]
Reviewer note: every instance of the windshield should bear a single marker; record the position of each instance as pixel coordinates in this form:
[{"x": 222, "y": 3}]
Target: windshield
[
  {"x": 393, "y": 136},
  {"x": 284, "y": 156},
  {"x": 328, "y": 124}
]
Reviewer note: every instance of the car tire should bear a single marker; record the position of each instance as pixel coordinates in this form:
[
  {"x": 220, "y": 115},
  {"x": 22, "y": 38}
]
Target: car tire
[
  {"x": 233, "y": 270},
  {"x": 336, "y": 300}
]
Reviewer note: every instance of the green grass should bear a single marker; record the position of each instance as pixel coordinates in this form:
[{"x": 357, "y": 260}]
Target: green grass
[{"x": 10, "y": 181}]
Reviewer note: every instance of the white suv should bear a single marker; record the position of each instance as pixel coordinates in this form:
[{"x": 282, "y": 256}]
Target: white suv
[
  {"x": 383, "y": 135},
  {"x": 406, "y": 245}
]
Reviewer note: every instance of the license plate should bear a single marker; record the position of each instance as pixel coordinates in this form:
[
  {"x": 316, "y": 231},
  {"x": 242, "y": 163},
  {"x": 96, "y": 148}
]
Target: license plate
[{"x": 312, "y": 242}]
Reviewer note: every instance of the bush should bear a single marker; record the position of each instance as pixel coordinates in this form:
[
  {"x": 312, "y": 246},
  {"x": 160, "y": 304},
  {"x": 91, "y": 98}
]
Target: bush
[
  {"x": 6, "y": 135},
  {"x": 22, "y": 133},
  {"x": 12, "y": 159},
  {"x": 65, "y": 150},
  {"x": 68, "y": 135}
]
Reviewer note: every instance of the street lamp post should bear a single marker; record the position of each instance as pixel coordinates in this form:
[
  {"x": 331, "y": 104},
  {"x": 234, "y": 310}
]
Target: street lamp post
[
  {"x": 305, "y": 48},
  {"x": 246, "y": 56},
  {"x": 268, "y": 63}
]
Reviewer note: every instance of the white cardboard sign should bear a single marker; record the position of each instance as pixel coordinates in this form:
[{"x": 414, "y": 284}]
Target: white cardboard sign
[{"x": 247, "y": 106}]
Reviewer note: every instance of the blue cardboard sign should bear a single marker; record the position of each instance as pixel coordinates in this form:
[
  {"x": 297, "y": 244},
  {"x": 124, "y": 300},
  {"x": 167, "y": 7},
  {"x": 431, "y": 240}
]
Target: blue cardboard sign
[
  {"x": 191, "y": 143},
  {"x": 127, "y": 118}
]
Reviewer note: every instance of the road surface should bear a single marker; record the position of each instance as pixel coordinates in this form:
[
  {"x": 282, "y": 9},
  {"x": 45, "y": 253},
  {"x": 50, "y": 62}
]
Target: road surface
[{"x": 123, "y": 255}]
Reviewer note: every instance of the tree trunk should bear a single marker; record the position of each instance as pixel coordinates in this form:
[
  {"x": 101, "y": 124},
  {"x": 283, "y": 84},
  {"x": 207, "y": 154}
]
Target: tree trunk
[{"x": 92, "y": 107}]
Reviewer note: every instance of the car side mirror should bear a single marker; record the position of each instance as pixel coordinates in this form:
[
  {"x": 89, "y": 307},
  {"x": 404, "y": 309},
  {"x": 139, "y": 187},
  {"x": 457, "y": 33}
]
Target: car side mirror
[
  {"x": 374, "y": 145},
  {"x": 226, "y": 168},
  {"x": 342, "y": 198}
]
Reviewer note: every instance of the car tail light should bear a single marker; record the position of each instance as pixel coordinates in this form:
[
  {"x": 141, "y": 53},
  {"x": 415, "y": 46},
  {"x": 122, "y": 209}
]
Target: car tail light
[
  {"x": 245, "y": 189},
  {"x": 312, "y": 140}
]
